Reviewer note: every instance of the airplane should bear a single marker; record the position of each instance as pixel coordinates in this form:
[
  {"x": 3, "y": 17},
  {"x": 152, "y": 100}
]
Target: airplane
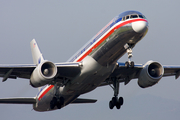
[{"x": 94, "y": 65}]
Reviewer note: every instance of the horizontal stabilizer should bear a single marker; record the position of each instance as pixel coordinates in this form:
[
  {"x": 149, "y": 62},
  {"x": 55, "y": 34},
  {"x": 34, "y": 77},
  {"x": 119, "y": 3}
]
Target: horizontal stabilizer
[
  {"x": 81, "y": 100},
  {"x": 18, "y": 100}
]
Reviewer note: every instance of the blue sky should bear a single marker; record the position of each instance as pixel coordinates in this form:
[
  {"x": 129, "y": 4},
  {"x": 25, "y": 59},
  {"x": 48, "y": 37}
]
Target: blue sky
[{"x": 62, "y": 27}]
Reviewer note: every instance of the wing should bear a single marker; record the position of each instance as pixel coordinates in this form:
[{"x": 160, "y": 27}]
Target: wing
[
  {"x": 125, "y": 74},
  {"x": 14, "y": 71},
  {"x": 67, "y": 70}
]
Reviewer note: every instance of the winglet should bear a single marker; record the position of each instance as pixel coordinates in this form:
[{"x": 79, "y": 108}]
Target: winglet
[{"x": 36, "y": 54}]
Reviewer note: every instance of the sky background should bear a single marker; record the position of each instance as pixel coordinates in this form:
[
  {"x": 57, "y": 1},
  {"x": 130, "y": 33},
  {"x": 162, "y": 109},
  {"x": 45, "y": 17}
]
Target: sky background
[{"x": 61, "y": 27}]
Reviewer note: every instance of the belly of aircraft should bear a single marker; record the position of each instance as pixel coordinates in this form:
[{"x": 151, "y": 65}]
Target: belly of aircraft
[{"x": 92, "y": 74}]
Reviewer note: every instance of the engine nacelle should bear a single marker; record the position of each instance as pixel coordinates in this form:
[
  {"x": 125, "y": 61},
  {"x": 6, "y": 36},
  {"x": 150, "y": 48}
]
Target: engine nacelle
[
  {"x": 43, "y": 74},
  {"x": 151, "y": 73}
]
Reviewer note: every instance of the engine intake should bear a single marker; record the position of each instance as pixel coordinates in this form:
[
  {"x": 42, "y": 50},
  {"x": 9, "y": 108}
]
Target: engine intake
[
  {"x": 48, "y": 69},
  {"x": 43, "y": 74},
  {"x": 151, "y": 73}
]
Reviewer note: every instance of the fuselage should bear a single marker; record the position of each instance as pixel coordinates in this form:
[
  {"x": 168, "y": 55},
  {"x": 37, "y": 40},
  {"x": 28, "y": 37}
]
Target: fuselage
[{"x": 98, "y": 57}]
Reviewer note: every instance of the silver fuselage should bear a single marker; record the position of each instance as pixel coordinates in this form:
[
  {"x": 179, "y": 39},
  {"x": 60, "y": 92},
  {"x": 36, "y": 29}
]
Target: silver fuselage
[{"x": 98, "y": 59}]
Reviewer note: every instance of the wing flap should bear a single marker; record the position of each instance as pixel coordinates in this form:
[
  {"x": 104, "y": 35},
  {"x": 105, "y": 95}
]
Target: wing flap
[{"x": 18, "y": 100}]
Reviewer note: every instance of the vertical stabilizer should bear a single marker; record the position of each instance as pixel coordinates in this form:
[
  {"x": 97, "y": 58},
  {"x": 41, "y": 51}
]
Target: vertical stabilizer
[{"x": 36, "y": 54}]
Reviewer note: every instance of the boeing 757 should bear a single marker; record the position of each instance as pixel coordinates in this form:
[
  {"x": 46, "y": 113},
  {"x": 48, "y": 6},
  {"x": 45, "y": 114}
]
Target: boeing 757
[{"x": 94, "y": 65}]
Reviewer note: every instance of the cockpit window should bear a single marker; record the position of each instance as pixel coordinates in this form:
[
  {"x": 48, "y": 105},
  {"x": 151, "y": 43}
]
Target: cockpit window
[
  {"x": 134, "y": 16},
  {"x": 127, "y": 17},
  {"x": 144, "y": 17},
  {"x": 140, "y": 16}
]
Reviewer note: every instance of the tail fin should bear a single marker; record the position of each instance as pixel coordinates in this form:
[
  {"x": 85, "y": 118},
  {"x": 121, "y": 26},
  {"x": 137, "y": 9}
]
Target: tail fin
[{"x": 36, "y": 54}]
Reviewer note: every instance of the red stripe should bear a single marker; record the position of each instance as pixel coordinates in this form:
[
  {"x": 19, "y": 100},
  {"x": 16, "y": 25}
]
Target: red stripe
[
  {"x": 47, "y": 90},
  {"x": 107, "y": 35}
]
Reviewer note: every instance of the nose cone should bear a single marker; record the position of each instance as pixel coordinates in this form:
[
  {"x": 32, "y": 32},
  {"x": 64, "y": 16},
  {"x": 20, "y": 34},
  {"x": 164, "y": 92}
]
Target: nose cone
[{"x": 140, "y": 26}]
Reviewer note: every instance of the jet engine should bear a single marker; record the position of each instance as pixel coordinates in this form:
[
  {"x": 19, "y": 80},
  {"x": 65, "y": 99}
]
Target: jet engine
[
  {"x": 151, "y": 73},
  {"x": 43, "y": 74}
]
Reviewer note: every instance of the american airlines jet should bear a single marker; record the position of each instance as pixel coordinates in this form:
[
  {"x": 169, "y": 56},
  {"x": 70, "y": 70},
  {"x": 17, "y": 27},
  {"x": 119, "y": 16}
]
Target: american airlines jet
[{"x": 94, "y": 65}]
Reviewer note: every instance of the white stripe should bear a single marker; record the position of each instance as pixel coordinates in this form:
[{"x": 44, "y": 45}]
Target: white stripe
[{"x": 43, "y": 90}]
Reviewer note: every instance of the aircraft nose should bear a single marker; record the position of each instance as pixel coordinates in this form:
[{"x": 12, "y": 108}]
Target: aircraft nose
[{"x": 139, "y": 26}]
